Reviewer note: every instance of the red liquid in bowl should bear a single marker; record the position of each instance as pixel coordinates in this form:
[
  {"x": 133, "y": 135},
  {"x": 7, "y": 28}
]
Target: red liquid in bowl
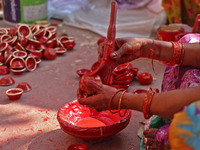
[
  {"x": 90, "y": 122},
  {"x": 73, "y": 116}
]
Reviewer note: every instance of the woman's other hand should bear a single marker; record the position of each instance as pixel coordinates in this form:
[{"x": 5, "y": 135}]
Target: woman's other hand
[
  {"x": 100, "y": 100},
  {"x": 127, "y": 49}
]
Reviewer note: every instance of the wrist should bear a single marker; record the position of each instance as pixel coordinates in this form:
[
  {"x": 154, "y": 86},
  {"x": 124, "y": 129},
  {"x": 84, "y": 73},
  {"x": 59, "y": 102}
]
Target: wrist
[{"x": 147, "y": 44}]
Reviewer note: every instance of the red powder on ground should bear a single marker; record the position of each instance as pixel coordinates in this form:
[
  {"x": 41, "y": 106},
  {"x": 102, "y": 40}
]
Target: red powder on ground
[
  {"x": 90, "y": 122},
  {"x": 50, "y": 140}
]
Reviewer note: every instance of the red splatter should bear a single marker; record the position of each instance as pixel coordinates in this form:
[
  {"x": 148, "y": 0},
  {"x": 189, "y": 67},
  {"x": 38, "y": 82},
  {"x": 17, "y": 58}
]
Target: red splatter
[
  {"x": 31, "y": 129},
  {"x": 50, "y": 140},
  {"x": 45, "y": 119},
  {"x": 39, "y": 130},
  {"x": 4, "y": 129},
  {"x": 26, "y": 129}
]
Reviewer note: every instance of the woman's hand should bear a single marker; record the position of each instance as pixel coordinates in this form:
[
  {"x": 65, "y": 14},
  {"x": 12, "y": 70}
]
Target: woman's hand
[
  {"x": 101, "y": 99},
  {"x": 127, "y": 49}
]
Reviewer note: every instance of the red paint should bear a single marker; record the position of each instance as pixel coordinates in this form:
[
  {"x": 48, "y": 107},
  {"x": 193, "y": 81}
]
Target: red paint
[
  {"x": 4, "y": 129},
  {"x": 46, "y": 119},
  {"x": 77, "y": 146},
  {"x": 73, "y": 112},
  {"x": 90, "y": 122},
  {"x": 50, "y": 140},
  {"x": 14, "y": 93},
  {"x": 39, "y": 130},
  {"x": 145, "y": 78}
]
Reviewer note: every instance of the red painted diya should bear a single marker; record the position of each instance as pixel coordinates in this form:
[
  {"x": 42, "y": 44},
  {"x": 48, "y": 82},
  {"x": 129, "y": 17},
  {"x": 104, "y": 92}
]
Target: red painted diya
[
  {"x": 71, "y": 114},
  {"x": 4, "y": 70},
  {"x": 17, "y": 71},
  {"x": 14, "y": 93},
  {"x": 7, "y": 80},
  {"x": 24, "y": 30},
  {"x": 24, "y": 86},
  {"x": 50, "y": 53},
  {"x": 81, "y": 72},
  {"x": 21, "y": 54},
  {"x": 77, "y": 146},
  {"x": 30, "y": 63}
]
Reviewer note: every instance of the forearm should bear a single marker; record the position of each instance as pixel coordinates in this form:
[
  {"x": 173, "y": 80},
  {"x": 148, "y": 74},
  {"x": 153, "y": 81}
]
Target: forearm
[
  {"x": 163, "y": 51},
  {"x": 163, "y": 104}
]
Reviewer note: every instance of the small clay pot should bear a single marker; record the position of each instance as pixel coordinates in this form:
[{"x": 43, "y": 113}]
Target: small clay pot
[
  {"x": 95, "y": 65},
  {"x": 3, "y": 31},
  {"x": 60, "y": 50},
  {"x": 24, "y": 30},
  {"x": 51, "y": 29},
  {"x": 43, "y": 39},
  {"x": 30, "y": 63},
  {"x": 24, "y": 86},
  {"x": 17, "y": 71},
  {"x": 7, "y": 80},
  {"x": 3, "y": 46},
  {"x": 50, "y": 53},
  {"x": 19, "y": 54},
  {"x": 23, "y": 41},
  {"x": 39, "y": 33},
  {"x": 122, "y": 68},
  {"x": 77, "y": 146},
  {"x": 4, "y": 37},
  {"x": 50, "y": 43},
  {"x": 81, "y": 72},
  {"x": 36, "y": 53},
  {"x": 4, "y": 70},
  {"x": 69, "y": 44},
  {"x": 17, "y": 63},
  {"x": 33, "y": 42},
  {"x": 19, "y": 47},
  {"x": 30, "y": 47},
  {"x": 14, "y": 93}
]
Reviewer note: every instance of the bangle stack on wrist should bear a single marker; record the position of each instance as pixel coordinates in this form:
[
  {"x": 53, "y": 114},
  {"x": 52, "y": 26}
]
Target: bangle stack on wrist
[
  {"x": 178, "y": 54},
  {"x": 119, "y": 104},
  {"x": 147, "y": 102}
]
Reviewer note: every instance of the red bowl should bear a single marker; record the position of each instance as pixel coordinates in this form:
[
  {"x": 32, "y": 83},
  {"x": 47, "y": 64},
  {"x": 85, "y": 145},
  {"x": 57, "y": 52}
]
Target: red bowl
[
  {"x": 77, "y": 146},
  {"x": 71, "y": 113},
  {"x": 24, "y": 86},
  {"x": 14, "y": 93},
  {"x": 7, "y": 80},
  {"x": 4, "y": 70},
  {"x": 81, "y": 72}
]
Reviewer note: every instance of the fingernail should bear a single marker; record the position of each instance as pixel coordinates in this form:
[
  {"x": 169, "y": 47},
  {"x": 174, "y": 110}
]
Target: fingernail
[{"x": 114, "y": 54}]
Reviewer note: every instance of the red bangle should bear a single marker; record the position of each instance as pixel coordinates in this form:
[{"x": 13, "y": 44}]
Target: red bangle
[
  {"x": 119, "y": 105},
  {"x": 109, "y": 105},
  {"x": 147, "y": 102},
  {"x": 151, "y": 54},
  {"x": 182, "y": 54},
  {"x": 176, "y": 54}
]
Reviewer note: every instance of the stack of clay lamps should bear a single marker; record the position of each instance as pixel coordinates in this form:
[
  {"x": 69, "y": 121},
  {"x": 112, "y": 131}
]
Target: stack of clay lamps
[
  {"x": 22, "y": 47},
  {"x": 123, "y": 75}
]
